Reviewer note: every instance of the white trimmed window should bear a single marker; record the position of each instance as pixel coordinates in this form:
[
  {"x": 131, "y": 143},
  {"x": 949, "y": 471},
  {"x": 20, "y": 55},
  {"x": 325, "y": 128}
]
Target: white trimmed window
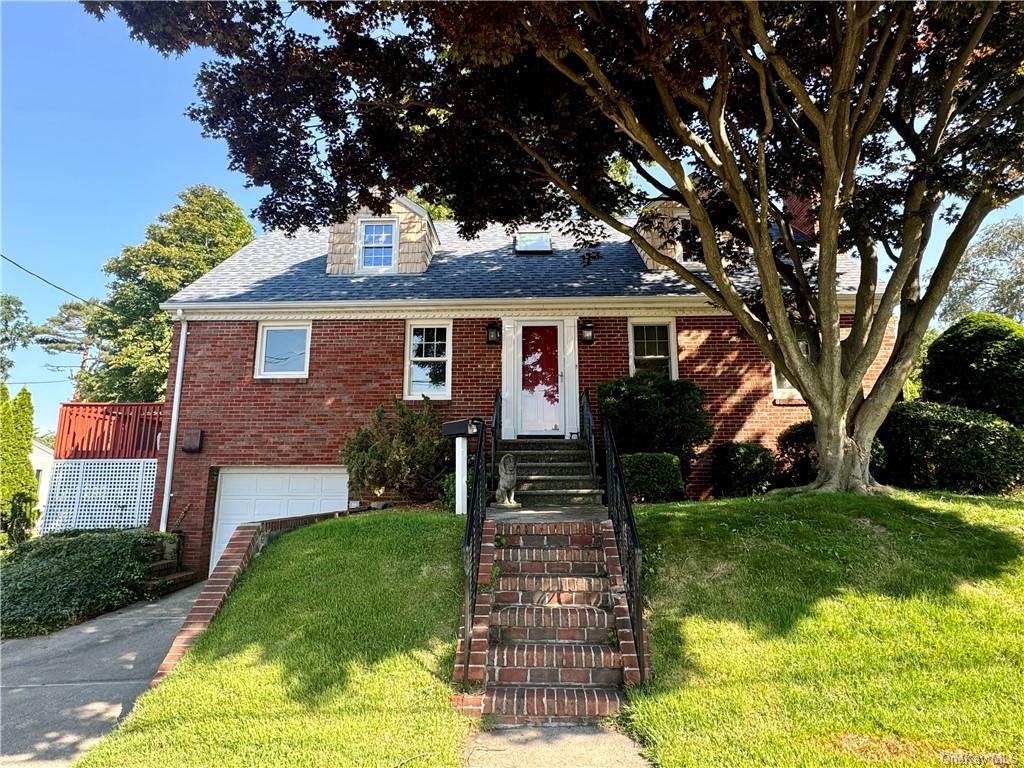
[
  {"x": 282, "y": 351},
  {"x": 652, "y": 347},
  {"x": 782, "y": 388},
  {"x": 377, "y": 241},
  {"x": 428, "y": 369}
]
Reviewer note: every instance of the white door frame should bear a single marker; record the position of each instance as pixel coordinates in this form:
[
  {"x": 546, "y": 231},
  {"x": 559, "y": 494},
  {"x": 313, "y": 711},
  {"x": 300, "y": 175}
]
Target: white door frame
[{"x": 511, "y": 371}]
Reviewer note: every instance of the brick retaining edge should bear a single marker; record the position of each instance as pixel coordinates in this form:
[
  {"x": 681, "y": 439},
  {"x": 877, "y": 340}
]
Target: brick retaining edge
[{"x": 245, "y": 543}]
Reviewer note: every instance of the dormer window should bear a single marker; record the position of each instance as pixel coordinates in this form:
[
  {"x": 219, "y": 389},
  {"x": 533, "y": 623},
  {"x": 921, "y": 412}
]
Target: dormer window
[
  {"x": 378, "y": 242},
  {"x": 532, "y": 242}
]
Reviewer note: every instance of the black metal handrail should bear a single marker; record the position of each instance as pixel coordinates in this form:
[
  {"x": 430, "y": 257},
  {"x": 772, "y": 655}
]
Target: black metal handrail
[
  {"x": 495, "y": 436},
  {"x": 620, "y": 510},
  {"x": 471, "y": 540},
  {"x": 587, "y": 431}
]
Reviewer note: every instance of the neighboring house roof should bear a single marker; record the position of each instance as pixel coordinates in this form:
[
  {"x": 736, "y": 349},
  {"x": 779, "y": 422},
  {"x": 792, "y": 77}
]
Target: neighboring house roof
[
  {"x": 281, "y": 268},
  {"x": 39, "y": 445}
]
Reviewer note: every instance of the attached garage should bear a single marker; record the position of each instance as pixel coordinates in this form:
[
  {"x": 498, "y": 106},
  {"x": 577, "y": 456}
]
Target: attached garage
[{"x": 251, "y": 494}]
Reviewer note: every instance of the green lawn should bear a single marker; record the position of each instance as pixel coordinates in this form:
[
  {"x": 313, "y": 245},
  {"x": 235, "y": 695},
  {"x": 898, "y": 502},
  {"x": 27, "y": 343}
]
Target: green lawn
[
  {"x": 835, "y": 631},
  {"x": 335, "y": 649}
]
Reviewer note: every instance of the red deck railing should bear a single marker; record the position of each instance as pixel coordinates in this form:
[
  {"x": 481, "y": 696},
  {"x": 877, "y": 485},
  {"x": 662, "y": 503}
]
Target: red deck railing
[{"x": 108, "y": 431}]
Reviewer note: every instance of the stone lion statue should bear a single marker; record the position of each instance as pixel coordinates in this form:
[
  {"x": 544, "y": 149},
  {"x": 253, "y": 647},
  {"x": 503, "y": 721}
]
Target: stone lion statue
[{"x": 506, "y": 493}]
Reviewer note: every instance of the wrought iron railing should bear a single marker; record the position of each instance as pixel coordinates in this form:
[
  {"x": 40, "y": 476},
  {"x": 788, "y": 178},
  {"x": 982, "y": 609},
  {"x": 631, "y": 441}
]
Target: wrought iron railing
[
  {"x": 620, "y": 510},
  {"x": 587, "y": 431},
  {"x": 495, "y": 437},
  {"x": 471, "y": 541}
]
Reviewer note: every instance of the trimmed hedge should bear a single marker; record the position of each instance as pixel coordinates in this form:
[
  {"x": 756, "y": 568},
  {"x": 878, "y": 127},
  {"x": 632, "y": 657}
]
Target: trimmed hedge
[
  {"x": 932, "y": 445},
  {"x": 978, "y": 362},
  {"x": 59, "y": 580},
  {"x": 653, "y": 477},
  {"x": 797, "y": 459},
  {"x": 741, "y": 469},
  {"x": 653, "y": 414}
]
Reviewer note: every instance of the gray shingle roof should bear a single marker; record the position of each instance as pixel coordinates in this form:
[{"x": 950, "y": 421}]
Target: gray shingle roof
[{"x": 279, "y": 268}]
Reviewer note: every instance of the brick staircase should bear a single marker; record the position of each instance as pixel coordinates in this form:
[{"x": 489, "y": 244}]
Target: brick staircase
[
  {"x": 163, "y": 569},
  {"x": 552, "y": 473},
  {"x": 552, "y": 640}
]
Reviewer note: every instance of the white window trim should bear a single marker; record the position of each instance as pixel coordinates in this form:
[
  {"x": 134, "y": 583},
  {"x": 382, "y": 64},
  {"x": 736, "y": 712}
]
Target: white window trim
[
  {"x": 360, "y": 223},
  {"x": 261, "y": 335},
  {"x": 673, "y": 342},
  {"x": 409, "y": 325},
  {"x": 790, "y": 392}
]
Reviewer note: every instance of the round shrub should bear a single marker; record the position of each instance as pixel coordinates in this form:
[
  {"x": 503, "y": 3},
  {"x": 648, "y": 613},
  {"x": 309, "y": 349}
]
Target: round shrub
[
  {"x": 932, "y": 445},
  {"x": 741, "y": 469},
  {"x": 651, "y": 413},
  {"x": 978, "y": 362},
  {"x": 797, "y": 460},
  {"x": 653, "y": 477}
]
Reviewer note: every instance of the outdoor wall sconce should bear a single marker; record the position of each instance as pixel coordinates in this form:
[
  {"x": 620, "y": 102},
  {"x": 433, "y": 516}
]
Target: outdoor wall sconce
[
  {"x": 494, "y": 333},
  {"x": 587, "y": 332}
]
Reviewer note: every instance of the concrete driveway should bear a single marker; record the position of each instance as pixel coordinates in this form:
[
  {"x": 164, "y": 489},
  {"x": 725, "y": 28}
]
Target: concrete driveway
[{"x": 61, "y": 693}]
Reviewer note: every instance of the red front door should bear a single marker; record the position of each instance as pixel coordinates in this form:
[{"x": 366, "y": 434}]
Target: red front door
[{"x": 541, "y": 411}]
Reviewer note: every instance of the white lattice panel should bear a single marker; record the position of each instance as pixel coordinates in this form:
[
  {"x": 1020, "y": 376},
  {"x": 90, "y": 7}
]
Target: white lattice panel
[{"x": 100, "y": 493}]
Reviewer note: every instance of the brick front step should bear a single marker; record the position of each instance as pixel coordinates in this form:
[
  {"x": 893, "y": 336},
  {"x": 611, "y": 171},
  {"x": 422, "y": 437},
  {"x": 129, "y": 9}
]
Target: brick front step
[
  {"x": 553, "y": 676},
  {"x": 538, "y": 705},
  {"x": 567, "y": 655},
  {"x": 561, "y": 540},
  {"x": 550, "y": 554},
  {"x": 554, "y": 597},
  {"x": 569, "y": 616},
  {"x": 547, "y": 529},
  {"x": 530, "y": 582},
  {"x": 161, "y": 568},
  {"x": 503, "y": 634},
  {"x": 163, "y": 585},
  {"x": 560, "y": 567},
  {"x": 553, "y": 482}
]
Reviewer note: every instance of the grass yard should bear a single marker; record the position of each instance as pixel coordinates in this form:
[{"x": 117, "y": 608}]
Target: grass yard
[
  {"x": 334, "y": 650},
  {"x": 835, "y": 631}
]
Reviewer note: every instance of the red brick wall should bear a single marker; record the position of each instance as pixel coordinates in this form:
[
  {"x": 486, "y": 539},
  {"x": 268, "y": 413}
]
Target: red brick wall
[{"x": 355, "y": 365}]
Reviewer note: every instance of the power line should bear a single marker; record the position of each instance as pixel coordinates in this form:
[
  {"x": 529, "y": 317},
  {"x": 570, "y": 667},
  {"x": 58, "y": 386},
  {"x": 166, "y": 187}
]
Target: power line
[
  {"x": 51, "y": 381},
  {"x": 48, "y": 282}
]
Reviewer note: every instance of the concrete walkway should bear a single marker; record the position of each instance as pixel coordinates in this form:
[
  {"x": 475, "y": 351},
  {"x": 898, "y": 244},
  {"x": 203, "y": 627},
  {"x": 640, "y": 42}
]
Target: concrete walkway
[
  {"x": 554, "y": 747},
  {"x": 61, "y": 693}
]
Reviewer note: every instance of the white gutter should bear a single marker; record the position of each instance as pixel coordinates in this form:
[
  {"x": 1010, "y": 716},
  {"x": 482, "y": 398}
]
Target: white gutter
[{"x": 172, "y": 438}]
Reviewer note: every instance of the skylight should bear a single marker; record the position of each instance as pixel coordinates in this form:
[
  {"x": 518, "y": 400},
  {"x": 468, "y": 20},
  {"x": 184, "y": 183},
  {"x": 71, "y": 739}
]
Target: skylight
[{"x": 532, "y": 242}]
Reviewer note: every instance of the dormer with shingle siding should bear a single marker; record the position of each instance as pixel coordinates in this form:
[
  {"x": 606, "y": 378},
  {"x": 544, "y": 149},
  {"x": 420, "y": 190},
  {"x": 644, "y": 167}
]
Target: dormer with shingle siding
[{"x": 401, "y": 241}]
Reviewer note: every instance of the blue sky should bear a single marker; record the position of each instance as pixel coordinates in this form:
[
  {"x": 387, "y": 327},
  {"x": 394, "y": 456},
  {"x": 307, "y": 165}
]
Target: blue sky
[{"x": 95, "y": 144}]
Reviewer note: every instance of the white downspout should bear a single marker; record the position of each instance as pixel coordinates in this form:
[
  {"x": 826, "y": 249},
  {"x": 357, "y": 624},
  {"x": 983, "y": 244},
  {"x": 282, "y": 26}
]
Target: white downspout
[{"x": 172, "y": 438}]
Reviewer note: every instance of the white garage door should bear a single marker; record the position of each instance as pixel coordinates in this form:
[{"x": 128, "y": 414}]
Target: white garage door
[{"x": 251, "y": 494}]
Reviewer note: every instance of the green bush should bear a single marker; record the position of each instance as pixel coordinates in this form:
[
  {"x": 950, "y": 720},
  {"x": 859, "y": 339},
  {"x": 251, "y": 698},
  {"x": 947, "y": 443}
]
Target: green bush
[
  {"x": 402, "y": 452},
  {"x": 653, "y": 477},
  {"x": 741, "y": 469},
  {"x": 797, "y": 459},
  {"x": 978, "y": 362},
  {"x": 56, "y": 581},
  {"x": 652, "y": 414},
  {"x": 932, "y": 445}
]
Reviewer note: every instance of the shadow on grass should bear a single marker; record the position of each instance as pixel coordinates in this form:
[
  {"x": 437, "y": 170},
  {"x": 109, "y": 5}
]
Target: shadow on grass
[
  {"x": 375, "y": 596},
  {"x": 765, "y": 563}
]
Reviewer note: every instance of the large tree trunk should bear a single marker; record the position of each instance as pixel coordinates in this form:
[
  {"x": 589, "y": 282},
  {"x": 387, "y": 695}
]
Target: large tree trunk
[{"x": 843, "y": 459}]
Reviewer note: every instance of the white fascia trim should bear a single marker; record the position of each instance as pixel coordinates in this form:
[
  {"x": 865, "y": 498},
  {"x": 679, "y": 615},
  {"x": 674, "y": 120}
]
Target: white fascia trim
[{"x": 570, "y": 306}]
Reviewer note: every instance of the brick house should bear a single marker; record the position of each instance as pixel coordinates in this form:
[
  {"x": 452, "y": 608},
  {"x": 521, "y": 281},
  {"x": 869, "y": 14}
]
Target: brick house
[{"x": 293, "y": 341}]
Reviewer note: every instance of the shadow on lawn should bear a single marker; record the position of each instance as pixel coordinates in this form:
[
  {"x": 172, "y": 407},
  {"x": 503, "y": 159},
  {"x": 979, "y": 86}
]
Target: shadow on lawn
[
  {"x": 376, "y": 596},
  {"x": 767, "y": 562}
]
